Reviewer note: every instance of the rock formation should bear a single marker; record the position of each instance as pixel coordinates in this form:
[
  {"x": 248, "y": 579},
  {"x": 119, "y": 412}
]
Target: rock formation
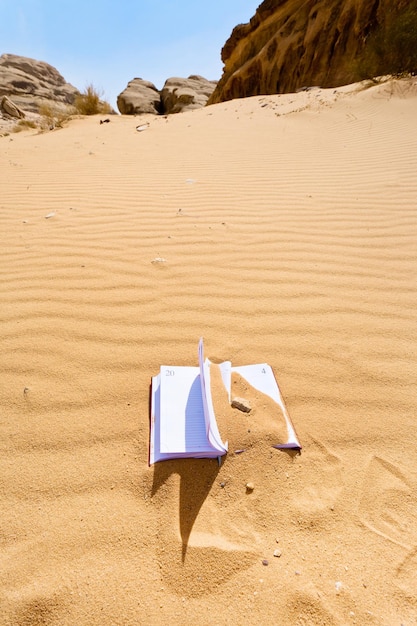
[
  {"x": 30, "y": 83},
  {"x": 7, "y": 107},
  {"x": 140, "y": 96},
  {"x": 290, "y": 44},
  {"x": 181, "y": 94},
  {"x": 177, "y": 94}
]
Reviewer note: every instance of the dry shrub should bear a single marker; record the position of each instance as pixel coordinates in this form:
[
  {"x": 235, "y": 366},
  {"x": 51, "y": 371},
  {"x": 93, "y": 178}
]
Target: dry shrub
[
  {"x": 89, "y": 102},
  {"x": 24, "y": 125},
  {"x": 54, "y": 116}
]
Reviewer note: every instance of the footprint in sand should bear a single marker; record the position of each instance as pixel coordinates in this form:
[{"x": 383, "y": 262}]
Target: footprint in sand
[
  {"x": 322, "y": 479},
  {"x": 39, "y": 609},
  {"x": 406, "y": 577},
  {"x": 308, "y": 608},
  {"x": 389, "y": 504}
]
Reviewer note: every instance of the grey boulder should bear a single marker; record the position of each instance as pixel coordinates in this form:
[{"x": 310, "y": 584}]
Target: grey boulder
[
  {"x": 181, "y": 94},
  {"x": 140, "y": 96}
]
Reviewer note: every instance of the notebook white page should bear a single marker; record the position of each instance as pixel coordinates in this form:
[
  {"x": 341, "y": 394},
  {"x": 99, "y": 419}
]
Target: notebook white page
[
  {"x": 182, "y": 421},
  {"x": 261, "y": 377},
  {"x": 210, "y": 418}
]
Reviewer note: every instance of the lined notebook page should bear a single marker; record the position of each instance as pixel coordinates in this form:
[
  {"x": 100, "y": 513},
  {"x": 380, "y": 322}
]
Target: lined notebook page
[{"x": 182, "y": 423}]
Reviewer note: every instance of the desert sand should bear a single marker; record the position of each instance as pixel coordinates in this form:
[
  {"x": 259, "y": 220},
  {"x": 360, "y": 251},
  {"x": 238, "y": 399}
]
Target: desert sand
[{"x": 282, "y": 229}]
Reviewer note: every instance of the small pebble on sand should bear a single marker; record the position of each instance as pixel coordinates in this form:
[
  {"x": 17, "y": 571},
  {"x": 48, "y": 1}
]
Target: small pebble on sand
[{"x": 242, "y": 405}]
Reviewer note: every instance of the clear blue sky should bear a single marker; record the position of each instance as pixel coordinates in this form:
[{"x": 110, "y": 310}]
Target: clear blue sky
[{"x": 108, "y": 43}]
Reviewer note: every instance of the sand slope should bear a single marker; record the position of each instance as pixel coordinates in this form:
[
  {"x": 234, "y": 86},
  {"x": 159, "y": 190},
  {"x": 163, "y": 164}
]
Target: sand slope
[{"x": 287, "y": 229}]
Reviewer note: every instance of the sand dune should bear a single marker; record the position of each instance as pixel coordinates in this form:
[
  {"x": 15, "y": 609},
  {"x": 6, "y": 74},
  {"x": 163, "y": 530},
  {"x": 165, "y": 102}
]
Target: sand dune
[{"x": 283, "y": 230}]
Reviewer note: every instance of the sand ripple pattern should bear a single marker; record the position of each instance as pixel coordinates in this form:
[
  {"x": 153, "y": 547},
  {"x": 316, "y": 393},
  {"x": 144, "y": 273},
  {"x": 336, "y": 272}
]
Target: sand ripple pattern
[{"x": 282, "y": 231}]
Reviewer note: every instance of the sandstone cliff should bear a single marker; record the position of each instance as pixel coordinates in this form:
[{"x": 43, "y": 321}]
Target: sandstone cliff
[{"x": 290, "y": 44}]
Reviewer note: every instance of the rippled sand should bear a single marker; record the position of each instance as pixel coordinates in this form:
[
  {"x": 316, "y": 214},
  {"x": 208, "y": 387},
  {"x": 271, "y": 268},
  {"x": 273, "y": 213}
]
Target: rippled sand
[{"x": 282, "y": 229}]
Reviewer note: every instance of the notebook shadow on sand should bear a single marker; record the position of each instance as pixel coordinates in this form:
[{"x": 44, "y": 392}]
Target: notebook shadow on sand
[
  {"x": 196, "y": 475},
  {"x": 196, "y": 480},
  {"x": 206, "y": 558},
  {"x": 202, "y": 561}
]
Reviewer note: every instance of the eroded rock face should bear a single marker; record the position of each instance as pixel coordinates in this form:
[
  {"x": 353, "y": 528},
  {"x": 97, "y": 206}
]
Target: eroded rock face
[
  {"x": 181, "y": 94},
  {"x": 8, "y": 108},
  {"x": 177, "y": 94},
  {"x": 290, "y": 44},
  {"x": 140, "y": 96},
  {"x": 30, "y": 83}
]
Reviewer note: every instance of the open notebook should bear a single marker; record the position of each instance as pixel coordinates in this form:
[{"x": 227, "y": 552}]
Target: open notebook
[{"x": 183, "y": 423}]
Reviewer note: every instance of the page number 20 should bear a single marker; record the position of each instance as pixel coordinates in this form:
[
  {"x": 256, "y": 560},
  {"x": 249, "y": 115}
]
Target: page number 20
[{"x": 169, "y": 373}]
